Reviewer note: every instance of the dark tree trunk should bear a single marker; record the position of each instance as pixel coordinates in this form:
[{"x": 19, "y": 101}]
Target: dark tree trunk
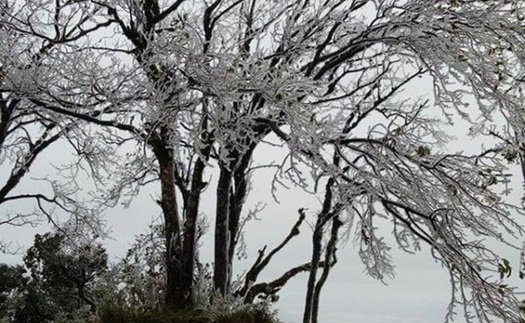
[
  {"x": 190, "y": 228},
  {"x": 236, "y": 204},
  {"x": 237, "y": 200},
  {"x": 6, "y": 112},
  {"x": 316, "y": 259},
  {"x": 324, "y": 216},
  {"x": 222, "y": 233},
  {"x": 329, "y": 261},
  {"x": 176, "y": 296}
]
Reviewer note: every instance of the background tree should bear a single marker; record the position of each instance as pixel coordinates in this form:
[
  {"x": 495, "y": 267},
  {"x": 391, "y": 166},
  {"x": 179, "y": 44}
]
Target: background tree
[
  {"x": 68, "y": 272},
  {"x": 11, "y": 278},
  {"x": 61, "y": 277},
  {"x": 190, "y": 91}
]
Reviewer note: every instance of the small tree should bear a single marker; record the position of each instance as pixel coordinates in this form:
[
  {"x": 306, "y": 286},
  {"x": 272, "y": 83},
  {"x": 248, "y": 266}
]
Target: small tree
[
  {"x": 61, "y": 274},
  {"x": 67, "y": 272}
]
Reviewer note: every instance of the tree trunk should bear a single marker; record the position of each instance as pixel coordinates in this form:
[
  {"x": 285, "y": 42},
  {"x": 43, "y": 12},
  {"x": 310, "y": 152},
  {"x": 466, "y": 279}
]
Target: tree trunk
[
  {"x": 6, "y": 111},
  {"x": 190, "y": 229},
  {"x": 222, "y": 233},
  {"x": 317, "y": 237},
  {"x": 329, "y": 261},
  {"x": 324, "y": 216},
  {"x": 176, "y": 296},
  {"x": 237, "y": 200}
]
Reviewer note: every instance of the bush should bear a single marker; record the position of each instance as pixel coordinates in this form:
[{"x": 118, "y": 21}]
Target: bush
[
  {"x": 254, "y": 315},
  {"x": 248, "y": 314}
]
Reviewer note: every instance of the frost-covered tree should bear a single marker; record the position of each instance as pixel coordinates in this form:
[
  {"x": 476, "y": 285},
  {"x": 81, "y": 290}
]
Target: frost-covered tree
[
  {"x": 357, "y": 94},
  {"x": 28, "y": 130}
]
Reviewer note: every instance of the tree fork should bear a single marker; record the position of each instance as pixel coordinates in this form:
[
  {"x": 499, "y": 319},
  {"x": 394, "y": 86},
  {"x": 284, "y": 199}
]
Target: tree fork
[
  {"x": 271, "y": 288},
  {"x": 317, "y": 236}
]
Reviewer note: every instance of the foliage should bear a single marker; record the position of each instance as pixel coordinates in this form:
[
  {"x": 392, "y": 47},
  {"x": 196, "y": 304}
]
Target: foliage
[
  {"x": 34, "y": 305},
  {"x": 11, "y": 278},
  {"x": 66, "y": 271},
  {"x": 81, "y": 315},
  {"x": 59, "y": 282},
  {"x": 245, "y": 315},
  {"x": 57, "y": 269}
]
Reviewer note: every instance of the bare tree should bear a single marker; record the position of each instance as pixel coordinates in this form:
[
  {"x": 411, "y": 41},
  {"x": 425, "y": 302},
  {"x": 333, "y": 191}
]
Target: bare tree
[
  {"x": 27, "y": 129},
  {"x": 201, "y": 87}
]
